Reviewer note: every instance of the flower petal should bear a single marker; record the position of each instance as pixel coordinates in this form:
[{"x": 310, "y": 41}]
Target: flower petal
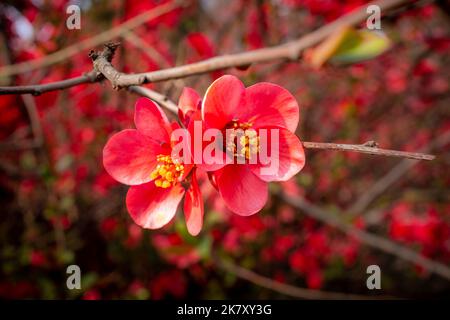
[
  {"x": 152, "y": 207},
  {"x": 130, "y": 157},
  {"x": 223, "y": 102},
  {"x": 268, "y": 104},
  {"x": 193, "y": 207},
  {"x": 151, "y": 121},
  {"x": 188, "y": 103},
  {"x": 243, "y": 192},
  {"x": 284, "y": 163}
]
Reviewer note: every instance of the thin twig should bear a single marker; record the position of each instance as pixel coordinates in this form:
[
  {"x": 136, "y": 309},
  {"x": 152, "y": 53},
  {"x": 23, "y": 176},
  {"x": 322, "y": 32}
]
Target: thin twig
[
  {"x": 38, "y": 89},
  {"x": 369, "y": 239},
  {"x": 392, "y": 176},
  {"x": 87, "y": 44},
  {"x": 287, "y": 289},
  {"x": 159, "y": 98},
  {"x": 288, "y": 51},
  {"x": 367, "y": 148},
  {"x": 35, "y": 122},
  {"x": 147, "y": 49}
]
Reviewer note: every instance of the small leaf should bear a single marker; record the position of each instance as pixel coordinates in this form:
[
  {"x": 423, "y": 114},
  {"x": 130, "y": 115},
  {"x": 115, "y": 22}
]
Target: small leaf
[
  {"x": 371, "y": 45},
  {"x": 348, "y": 45},
  {"x": 325, "y": 50}
]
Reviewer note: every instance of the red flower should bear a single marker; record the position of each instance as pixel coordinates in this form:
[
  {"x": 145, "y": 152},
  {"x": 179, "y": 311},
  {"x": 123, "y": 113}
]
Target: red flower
[
  {"x": 142, "y": 159},
  {"x": 228, "y": 104}
]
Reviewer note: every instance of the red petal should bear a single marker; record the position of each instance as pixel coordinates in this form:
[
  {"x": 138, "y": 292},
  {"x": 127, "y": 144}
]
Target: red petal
[
  {"x": 130, "y": 157},
  {"x": 269, "y": 105},
  {"x": 243, "y": 192},
  {"x": 193, "y": 207},
  {"x": 289, "y": 161},
  {"x": 152, "y": 207},
  {"x": 187, "y": 104},
  {"x": 223, "y": 102},
  {"x": 151, "y": 121}
]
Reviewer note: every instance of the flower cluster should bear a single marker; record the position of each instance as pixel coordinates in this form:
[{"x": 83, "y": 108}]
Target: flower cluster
[{"x": 261, "y": 117}]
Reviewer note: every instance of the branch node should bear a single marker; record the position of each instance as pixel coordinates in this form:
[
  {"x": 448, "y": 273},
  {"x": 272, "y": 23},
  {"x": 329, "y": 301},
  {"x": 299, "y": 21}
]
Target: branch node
[
  {"x": 109, "y": 50},
  {"x": 371, "y": 144},
  {"x": 93, "y": 55},
  {"x": 142, "y": 80}
]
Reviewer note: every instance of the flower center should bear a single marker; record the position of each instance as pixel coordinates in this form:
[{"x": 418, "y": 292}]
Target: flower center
[
  {"x": 242, "y": 140},
  {"x": 167, "y": 171}
]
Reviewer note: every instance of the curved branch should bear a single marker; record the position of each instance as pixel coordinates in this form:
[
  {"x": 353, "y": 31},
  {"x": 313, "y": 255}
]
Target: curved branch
[
  {"x": 38, "y": 89},
  {"x": 87, "y": 44},
  {"x": 288, "y": 51},
  {"x": 368, "y": 238},
  {"x": 392, "y": 176},
  {"x": 159, "y": 98},
  {"x": 287, "y": 289}
]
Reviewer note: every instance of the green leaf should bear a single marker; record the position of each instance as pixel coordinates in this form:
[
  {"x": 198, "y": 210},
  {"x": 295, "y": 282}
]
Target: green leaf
[
  {"x": 347, "y": 45},
  {"x": 363, "y": 45}
]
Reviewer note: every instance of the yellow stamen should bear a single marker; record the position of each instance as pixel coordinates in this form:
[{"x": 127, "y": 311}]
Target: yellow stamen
[{"x": 167, "y": 172}]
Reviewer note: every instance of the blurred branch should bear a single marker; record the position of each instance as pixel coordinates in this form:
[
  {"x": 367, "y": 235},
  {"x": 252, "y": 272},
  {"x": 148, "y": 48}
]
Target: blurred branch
[
  {"x": 159, "y": 98},
  {"x": 35, "y": 123},
  {"x": 284, "y": 288},
  {"x": 10, "y": 169},
  {"x": 392, "y": 176},
  {"x": 288, "y": 51},
  {"x": 147, "y": 49},
  {"x": 36, "y": 129},
  {"x": 369, "y": 239},
  {"x": 66, "y": 53}
]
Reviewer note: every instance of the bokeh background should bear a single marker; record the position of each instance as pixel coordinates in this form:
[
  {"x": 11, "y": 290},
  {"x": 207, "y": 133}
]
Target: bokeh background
[{"x": 60, "y": 207}]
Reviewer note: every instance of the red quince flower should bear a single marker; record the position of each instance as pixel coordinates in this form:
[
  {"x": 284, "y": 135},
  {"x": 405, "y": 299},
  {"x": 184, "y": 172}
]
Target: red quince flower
[
  {"x": 228, "y": 104},
  {"x": 142, "y": 158}
]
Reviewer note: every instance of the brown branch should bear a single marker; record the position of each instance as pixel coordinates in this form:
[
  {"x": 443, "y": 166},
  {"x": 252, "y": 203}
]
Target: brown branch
[
  {"x": 87, "y": 44},
  {"x": 369, "y": 239},
  {"x": 36, "y": 129},
  {"x": 369, "y": 148},
  {"x": 147, "y": 49},
  {"x": 159, "y": 98},
  {"x": 35, "y": 122},
  {"x": 38, "y": 89},
  {"x": 288, "y": 51},
  {"x": 392, "y": 176},
  {"x": 286, "y": 289},
  {"x": 104, "y": 68}
]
